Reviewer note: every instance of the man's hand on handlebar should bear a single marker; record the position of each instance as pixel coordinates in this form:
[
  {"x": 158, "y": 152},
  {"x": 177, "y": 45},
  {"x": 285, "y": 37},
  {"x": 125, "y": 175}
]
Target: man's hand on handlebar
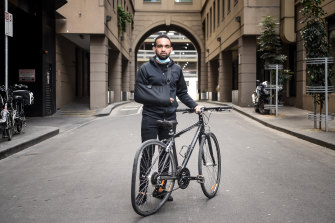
[{"x": 198, "y": 109}]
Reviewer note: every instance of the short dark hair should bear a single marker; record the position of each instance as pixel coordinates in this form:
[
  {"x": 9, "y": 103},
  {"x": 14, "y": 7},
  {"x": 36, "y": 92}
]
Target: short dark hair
[{"x": 161, "y": 36}]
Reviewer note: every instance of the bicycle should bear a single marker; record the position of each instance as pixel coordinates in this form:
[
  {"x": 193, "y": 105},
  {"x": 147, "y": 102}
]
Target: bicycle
[
  {"x": 155, "y": 167},
  {"x": 12, "y": 104}
]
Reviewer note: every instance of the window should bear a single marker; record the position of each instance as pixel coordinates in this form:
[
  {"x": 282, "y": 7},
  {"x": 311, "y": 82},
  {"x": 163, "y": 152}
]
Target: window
[
  {"x": 229, "y": 6},
  {"x": 223, "y": 4},
  {"x": 207, "y": 26},
  {"x": 214, "y": 9},
  {"x": 183, "y": 1},
  {"x": 210, "y": 22},
  {"x": 218, "y": 1},
  {"x": 152, "y": 0}
]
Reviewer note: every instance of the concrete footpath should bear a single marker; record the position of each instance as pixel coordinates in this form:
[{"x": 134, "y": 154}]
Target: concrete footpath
[
  {"x": 293, "y": 121},
  {"x": 38, "y": 129},
  {"x": 290, "y": 120}
]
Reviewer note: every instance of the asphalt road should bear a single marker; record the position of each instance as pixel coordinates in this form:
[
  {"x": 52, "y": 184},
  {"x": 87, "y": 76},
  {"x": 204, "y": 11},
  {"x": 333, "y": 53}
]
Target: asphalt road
[{"x": 83, "y": 175}]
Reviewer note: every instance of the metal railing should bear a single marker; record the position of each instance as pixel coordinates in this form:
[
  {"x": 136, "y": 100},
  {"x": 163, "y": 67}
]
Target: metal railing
[{"x": 176, "y": 54}]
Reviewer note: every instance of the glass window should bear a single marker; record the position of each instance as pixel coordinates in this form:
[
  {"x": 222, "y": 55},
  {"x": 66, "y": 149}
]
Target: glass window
[
  {"x": 183, "y": 0},
  {"x": 219, "y": 12},
  {"x": 223, "y": 11},
  {"x": 214, "y": 17}
]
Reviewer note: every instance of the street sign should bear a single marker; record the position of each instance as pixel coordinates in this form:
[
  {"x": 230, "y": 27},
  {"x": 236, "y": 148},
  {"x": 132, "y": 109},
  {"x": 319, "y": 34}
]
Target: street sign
[
  {"x": 8, "y": 24},
  {"x": 27, "y": 75}
]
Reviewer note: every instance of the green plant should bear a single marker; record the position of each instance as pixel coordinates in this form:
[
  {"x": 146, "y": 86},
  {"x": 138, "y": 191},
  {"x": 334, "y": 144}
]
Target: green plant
[
  {"x": 123, "y": 18},
  {"x": 314, "y": 34},
  {"x": 270, "y": 47}
]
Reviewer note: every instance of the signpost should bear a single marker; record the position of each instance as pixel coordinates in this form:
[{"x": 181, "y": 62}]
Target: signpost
[{"x": 8, "y": 32}]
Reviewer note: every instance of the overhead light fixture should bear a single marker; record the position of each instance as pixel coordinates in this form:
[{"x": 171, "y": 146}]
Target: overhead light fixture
[
  {"x": 219, "y": 39},
  {"x": 108, "y": 18}
]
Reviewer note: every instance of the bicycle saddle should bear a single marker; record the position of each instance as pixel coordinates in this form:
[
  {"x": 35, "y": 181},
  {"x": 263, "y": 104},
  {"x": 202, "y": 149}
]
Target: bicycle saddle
[{"x": 167, "y": 124}]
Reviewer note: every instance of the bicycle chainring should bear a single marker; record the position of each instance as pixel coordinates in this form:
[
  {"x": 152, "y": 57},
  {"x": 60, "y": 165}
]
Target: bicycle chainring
[{"x": 182, "y": 181}]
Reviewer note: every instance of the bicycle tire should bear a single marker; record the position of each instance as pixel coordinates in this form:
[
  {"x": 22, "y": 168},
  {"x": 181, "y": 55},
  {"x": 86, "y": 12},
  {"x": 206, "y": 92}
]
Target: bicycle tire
[
  {"x": 209, "y": 164},
  {"x": 150, "y": 182}
]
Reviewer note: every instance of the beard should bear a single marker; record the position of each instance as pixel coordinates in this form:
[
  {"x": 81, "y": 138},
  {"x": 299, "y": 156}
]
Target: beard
[{"x": 162, "y": 57}]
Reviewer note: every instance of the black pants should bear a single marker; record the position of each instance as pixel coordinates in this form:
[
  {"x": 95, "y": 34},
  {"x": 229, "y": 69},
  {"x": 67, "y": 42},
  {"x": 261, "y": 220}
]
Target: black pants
[{"x": 150, "y": 130}]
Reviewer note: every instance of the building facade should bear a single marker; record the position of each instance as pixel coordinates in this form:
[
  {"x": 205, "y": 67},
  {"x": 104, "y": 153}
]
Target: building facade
[
  {"x": 76, "y": 49},
  {"x": 231, "y": 29},
  {"x": 93, "y": 55}
]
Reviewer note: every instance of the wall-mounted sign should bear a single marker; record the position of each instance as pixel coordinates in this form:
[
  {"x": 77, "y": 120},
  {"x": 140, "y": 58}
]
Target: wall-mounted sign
[
  {"x": 8, "y": 24},
  {"x": 27, "y": 75}
]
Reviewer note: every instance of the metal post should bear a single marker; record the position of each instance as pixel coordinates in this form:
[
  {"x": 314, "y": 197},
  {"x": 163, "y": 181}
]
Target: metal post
[
  {"x": 271, "y": 108},
  {"x": 276, "y": 90},
  {"x": 6, "y": 55},
  {"x": 326, "y": 92}
]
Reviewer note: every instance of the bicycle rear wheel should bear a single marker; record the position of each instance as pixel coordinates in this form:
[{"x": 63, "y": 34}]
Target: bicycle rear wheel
[
  {"x": 153, "y": 172},
  {"x": 209, "y": 164}
]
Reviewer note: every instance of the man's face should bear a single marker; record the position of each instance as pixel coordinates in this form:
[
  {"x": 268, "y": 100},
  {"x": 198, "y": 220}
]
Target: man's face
[{"x": 163, "y": 48}]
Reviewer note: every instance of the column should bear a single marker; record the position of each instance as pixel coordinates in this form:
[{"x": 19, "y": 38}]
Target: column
[
  {"x": 211, "y": 80},
  {"x": 226, "y": 84},
  {"x": 125, "y": 80},
  {"x": 116, "y": 75},
  {"x": 246, "y": 69},
  {"x": 132, "y": 75},
  {"x": 203, "y": 82},
  {"x": 98, "y": 71}
]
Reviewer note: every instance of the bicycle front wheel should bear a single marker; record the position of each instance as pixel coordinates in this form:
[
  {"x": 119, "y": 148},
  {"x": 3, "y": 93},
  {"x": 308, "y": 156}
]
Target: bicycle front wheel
[
  {"x": 209, "y": 164},
  {"x": 153, "y": 177}
]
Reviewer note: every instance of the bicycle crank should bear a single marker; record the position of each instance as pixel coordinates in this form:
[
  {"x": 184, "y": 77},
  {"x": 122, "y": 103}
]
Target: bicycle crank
[{"x": 184, "y": 178}]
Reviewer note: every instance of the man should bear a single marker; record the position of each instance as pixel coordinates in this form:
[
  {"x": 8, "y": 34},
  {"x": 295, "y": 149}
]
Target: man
[{"x": 155, "y": 72}]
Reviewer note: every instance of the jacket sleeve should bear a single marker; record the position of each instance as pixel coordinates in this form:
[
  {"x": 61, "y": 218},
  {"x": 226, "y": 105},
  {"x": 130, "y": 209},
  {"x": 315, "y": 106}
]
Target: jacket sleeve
[
  {"x": 140, "y": 77},
  {"x": 182, "y": 92}
]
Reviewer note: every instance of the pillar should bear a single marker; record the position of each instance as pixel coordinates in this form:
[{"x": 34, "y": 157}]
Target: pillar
[
  {"x": 98, "y": 71},
  {"x": 246, "y": 69},
  {"x": 125, "y": 80},
  {"x": 132, "y": 75},
  {"x": 226, "y": 84},
  {"x": 203, "y": 82},
  {"x": 116, "y": 75}
]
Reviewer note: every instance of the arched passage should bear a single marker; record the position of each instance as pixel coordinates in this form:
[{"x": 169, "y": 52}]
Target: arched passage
[{"x": 197, "y": 42}]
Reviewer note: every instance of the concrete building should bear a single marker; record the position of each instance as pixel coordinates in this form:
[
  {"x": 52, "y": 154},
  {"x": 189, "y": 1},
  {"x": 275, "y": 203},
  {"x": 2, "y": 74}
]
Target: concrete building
[
  {"x": 86, "y": 56},
  {"x": 231, "y": 28},
  {"x": 93, "y": 55},
  {"x": 223, "y": 33}
]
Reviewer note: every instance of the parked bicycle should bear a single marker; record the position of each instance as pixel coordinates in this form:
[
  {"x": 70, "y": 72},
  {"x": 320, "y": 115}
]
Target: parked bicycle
[
  {"x": 12, "y": 109},
  {"x": 155, "y": 167}
]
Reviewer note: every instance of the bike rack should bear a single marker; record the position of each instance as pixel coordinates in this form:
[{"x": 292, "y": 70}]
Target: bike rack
[
  {"x": 321, "y": 89},
  {"x": 271, "y": 87}
]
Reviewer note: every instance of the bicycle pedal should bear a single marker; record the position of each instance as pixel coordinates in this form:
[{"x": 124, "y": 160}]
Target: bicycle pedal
[{"x": 200, "y": 179}]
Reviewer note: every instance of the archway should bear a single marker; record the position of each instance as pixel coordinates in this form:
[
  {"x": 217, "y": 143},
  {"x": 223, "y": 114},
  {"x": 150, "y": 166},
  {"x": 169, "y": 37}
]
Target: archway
[{"x": 196, "y": 41}]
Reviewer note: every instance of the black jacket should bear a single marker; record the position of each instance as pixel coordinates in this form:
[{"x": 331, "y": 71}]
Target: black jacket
[{"x": 151, "y": 73}]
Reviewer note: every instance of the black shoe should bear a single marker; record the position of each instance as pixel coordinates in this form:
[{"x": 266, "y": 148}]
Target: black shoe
[
  {"x": 141, "y": 199},
  {"x": 161, "y": 195}
]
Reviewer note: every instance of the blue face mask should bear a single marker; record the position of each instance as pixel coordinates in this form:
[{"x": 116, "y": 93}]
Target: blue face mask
[{"x": 167, "y": 60}]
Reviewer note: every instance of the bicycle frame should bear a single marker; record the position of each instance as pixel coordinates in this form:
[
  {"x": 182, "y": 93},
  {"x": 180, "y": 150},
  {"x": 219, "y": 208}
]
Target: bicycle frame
[{"x": 199, "y": 133}]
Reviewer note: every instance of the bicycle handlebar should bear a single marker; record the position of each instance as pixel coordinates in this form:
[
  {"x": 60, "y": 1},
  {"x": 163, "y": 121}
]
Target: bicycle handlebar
[{"x": 192, "y": 110}]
